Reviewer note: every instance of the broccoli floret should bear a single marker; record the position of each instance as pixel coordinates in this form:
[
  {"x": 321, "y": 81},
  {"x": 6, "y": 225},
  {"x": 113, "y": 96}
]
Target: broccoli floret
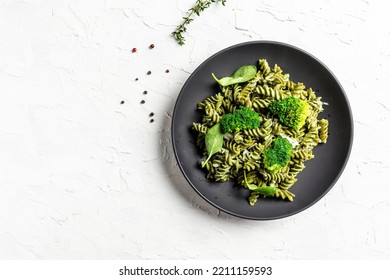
[
  {"x": 242, "y": 118},
  {"x": 277, "y": 157},
  {"x": 291, "y": 111}
]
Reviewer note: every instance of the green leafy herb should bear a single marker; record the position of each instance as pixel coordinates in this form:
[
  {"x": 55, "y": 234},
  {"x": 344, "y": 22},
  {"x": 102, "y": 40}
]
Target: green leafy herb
[
  {"x": 263, "y": 190},
  {"x": 242, "y": 74},
  {"x": 200, "y": 6},
  {"x": 214, "y": 141},
  {"x": 266, "y": 190}
]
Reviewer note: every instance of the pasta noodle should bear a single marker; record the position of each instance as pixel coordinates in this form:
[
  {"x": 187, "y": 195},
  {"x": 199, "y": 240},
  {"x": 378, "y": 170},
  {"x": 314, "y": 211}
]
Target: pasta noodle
[{"x": 242, "y": 151}]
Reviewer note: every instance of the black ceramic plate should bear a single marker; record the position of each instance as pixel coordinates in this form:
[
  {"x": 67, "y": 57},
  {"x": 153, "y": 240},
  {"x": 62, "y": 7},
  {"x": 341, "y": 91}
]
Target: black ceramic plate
[{"x": 320, "y": 174}]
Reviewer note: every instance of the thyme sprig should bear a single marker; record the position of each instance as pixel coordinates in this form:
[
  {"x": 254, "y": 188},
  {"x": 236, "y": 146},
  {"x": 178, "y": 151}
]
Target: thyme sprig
[{"x": 200, "y": 6}]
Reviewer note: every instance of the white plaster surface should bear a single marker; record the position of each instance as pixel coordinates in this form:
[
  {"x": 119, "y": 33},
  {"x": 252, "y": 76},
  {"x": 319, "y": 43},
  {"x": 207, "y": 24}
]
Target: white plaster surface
[{"x": 84, "y": 177}]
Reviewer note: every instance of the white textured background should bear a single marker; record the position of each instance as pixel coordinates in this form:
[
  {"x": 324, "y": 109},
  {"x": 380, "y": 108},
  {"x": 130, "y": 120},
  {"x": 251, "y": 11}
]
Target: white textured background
[{"x": 82, "y": 176}]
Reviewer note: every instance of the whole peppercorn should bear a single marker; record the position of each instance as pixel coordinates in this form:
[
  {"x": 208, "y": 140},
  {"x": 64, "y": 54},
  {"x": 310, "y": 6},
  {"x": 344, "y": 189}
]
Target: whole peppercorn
[
  {"x": 134, "y": 50},
  {"x": 151, "y": 46}
]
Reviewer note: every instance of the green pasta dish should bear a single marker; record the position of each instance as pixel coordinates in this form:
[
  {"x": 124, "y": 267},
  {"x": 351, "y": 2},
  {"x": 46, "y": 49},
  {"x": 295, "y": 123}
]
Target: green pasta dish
[{"x": 259, "y": 130}]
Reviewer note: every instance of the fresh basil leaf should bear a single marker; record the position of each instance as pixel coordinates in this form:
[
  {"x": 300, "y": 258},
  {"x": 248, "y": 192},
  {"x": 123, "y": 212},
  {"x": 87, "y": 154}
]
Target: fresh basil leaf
[
  {"x": 265, "y": 190},
  {"x": 225, "y": 81},
  {"x": 242, "y": 74},
  {"x": 214, "y": 141},
  {"x": 247, "y": 72},
  {"x": 252, "y": 187}
]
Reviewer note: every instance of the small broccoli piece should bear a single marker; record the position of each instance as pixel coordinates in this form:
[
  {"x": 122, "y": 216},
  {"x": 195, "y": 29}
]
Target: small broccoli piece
[
  {"x": 277, "y": 157},
  {"x": 291, "y": 111},
  {"x": 242, "y": 118}
]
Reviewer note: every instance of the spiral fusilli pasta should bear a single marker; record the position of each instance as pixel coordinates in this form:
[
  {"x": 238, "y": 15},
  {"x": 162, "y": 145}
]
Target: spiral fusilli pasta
[{"x": 242, "y": 151}]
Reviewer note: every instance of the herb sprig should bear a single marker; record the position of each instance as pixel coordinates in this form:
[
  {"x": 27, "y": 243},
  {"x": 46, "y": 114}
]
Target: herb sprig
[{"x": 200, "y": 6}]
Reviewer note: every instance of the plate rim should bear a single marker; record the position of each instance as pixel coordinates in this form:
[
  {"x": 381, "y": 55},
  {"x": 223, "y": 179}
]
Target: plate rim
[{"x": 341, "y": 170}]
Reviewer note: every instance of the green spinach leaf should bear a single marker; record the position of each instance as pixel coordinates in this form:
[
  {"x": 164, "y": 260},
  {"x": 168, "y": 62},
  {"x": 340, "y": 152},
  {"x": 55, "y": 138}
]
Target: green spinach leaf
[
  {"x": 263, "y": 190},
  {"x": 242, "y": 74},
  {"x": 214, "y": 141}
]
